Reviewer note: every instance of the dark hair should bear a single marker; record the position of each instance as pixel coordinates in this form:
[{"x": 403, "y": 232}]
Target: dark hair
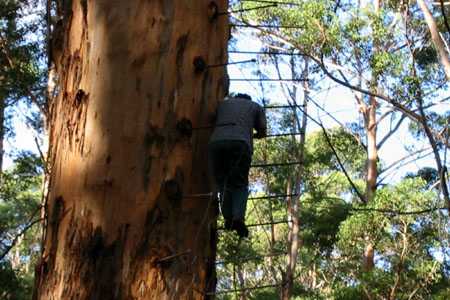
[{"x": 244, "y": 96}]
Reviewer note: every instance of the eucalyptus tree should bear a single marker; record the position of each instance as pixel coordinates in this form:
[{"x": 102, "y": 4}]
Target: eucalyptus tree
[{"x": 130, "y": 213}]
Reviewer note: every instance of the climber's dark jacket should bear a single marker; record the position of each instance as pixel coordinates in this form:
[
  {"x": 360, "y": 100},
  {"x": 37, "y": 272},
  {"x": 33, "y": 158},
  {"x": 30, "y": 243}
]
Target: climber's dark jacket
[{"x": 235, "y": 120}]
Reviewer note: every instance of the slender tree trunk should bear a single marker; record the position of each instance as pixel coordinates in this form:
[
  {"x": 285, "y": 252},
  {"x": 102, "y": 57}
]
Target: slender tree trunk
[
  {"x": 371, "y": 126},
  {"x": 241, "y": 278},
  {"x": 294, "y": 202},
  {"x": 442, "y": 169},
  {"x": 372, "y": 150},
  {"x": 15, "y": 254},
  {"x": 286, "y": 287},
  {"x": 435, "y": 37},
  {"x": 369, "y": 254},
  {"x": 314, "y": 276},
  {"x": 124, "y": 217},
  {"x": 372, "y": 172},
  {"x": 2, "y": 133}
]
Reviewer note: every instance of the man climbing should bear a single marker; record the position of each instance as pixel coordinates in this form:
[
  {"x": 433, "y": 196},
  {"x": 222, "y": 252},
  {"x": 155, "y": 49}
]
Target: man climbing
[{"x": 230, "y": 155}]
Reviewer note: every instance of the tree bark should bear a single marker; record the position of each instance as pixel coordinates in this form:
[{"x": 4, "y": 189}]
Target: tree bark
[
  {"x": 435, "y": 37},
  {"x": 372, "y": 149},
  {"x": 124, "y": 221},
  {"x": 2, "y": 133},
  {"x": 241, "y": 278},
  {"x": 294, "y": 241}
]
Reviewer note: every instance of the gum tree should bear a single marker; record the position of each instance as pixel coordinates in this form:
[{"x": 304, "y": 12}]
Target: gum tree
[{"x": 124, "y": 214}]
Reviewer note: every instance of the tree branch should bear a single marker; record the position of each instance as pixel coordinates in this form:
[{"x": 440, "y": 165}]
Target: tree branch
[
  {"x": 435, "y": 37},
  {"x": 352, "y": 184},
  {"x": 16, "y": 238},
  {"x": 445, "y": 16},
  {"x": 321, "y": 64},
  {"x": 398, "y": 212},
  {"x": 404, "y": 158},
  {"x": 391, "y": 132}
]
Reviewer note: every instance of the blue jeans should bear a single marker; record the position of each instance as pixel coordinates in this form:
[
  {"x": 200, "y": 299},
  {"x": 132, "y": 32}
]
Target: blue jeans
[{"x": 230, "y": 162}]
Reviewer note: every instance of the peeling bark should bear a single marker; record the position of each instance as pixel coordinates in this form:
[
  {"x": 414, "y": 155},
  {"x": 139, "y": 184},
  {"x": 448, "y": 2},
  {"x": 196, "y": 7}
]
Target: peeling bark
[{"x": 119, "y": 168}]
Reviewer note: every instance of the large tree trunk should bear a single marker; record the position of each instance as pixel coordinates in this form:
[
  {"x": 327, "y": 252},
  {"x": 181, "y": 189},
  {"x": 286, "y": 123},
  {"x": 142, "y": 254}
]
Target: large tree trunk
[{"x": 122, "y": 219}]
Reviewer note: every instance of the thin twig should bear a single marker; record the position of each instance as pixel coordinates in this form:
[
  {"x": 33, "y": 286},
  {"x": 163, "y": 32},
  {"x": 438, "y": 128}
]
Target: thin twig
[
  {"x": 398, "y": 212},
  {"x": 266, "y": 53},
  {"x": 246, "y": 9},
  {"x": 269, "y": 1},
  {"x": 243, "y": 259},
  {"x": 273, "y": 196},
  {"x": 283, "y": 134},
  {"x": 391, "y": 132},
  {"x": 404, "y": 158},
  {"x": 269, "y": 79},
  {"x": 293, "y": 106},
  {"x": 262, "y": 224},
  {"x": 267, "y": 26},
  {"x": 341, "y": 165},
  {"x": 294, "y": 163},
  {"x": 243, "y": 290},
  {"x": 41, "y": 154}
]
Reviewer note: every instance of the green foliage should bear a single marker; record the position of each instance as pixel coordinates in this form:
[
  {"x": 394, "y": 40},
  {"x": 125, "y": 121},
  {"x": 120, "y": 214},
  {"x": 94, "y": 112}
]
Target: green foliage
[
  {"x": 19, "y": 56},
  {"x": 22, "y": 75},
  {"x": 346, "y": 144},
  {"x": 322, "y": 212},
  {"x": 437, "y": 122},
  {"x": 336, "y": 227},
  {"x": 317, "y": 27},
  {"x": 429, "y": 175},
  {"x": 20, "y": 195},
  {"x": 402, "y": 241},
  {"x": 13, "y": 285},
  {"x": 321, "y": 220},
  {"x": 343, "y": 292},
  {"x": 426, "y": 56},
  {"x": 22, "y": 50}
]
